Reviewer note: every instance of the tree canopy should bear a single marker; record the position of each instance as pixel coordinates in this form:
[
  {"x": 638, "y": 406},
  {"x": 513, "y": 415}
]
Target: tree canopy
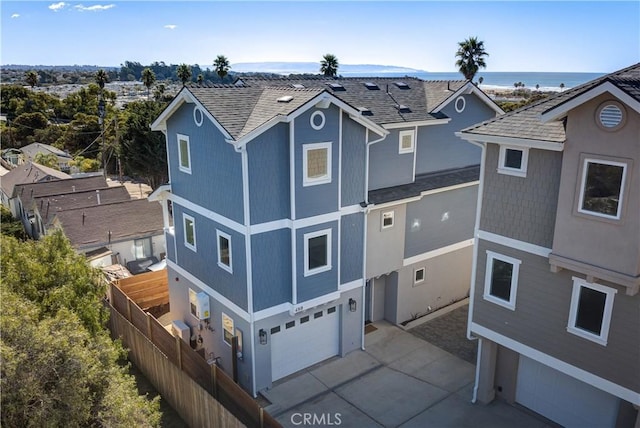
[
  {"x": 59, "y": 365},
  {"x": 470, "y": 56},
  {"x": 221, "y": 66},
  {"x": 329, "y": 65},
  {"x": 184, "y": 73},
  {"x": 148, "y": 79}
]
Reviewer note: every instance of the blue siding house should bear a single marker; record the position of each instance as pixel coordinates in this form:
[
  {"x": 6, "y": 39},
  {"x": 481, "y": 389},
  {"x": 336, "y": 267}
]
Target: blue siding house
[{"x": 295, "y": 206}]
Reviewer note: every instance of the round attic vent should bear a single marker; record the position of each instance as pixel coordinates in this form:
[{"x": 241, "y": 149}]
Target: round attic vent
[
  {"x": 610, "y": 115},
  {"x": 460, "y": 104},
  {"x": 198, "y": 116}
]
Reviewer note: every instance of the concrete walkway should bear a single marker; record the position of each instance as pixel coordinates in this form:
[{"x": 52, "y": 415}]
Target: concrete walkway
[{"x": 399, "y": 381}]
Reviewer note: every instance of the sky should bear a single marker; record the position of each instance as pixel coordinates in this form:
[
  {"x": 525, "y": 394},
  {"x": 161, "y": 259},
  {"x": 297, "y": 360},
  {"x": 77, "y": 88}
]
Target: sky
[{"x": 546, "y": 36}]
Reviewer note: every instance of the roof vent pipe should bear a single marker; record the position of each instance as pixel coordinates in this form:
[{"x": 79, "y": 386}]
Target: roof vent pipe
[
  {"x": 98, "y": 196},
  {"x": 73, "y": 189},
  {"x": 83, "y": 217}
]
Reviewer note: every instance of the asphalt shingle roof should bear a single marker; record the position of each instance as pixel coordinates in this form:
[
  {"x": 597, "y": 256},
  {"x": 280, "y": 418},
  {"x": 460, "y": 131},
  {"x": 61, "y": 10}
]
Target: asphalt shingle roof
[
  {"x": 28, "y": 173},
  {"x": 27, "y": 192},
  {"x": 525, "y": 122},
  {"x": 101, "y": 224}
]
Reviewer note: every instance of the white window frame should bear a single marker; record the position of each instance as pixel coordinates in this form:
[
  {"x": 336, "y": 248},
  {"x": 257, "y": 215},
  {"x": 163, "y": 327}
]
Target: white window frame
[
  {"x": 306, "y": 180},
  {"x": 191, "y": 246},
  {"x": 583, "y": 182},
  {"x": 417, "y": 281},
  {"x": 228, "y": 268},
  {"x": 401, "y": 134},
  {"x": 389, "y": 214},
  {"x": 511, "y": 303},
  {"x": 136, "y": 247},
  {"x": 307, "y": 237},
  {"x": 226, "y": 322},
  {"x": 193, "y": 300},
  {"x": 578, "y": 284},
  {"x": 182, "y": 168},
  {"x": 502, "y": 158}
]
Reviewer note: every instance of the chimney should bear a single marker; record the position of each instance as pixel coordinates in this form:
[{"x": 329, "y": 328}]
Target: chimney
[{"x": 98, "y": 196}]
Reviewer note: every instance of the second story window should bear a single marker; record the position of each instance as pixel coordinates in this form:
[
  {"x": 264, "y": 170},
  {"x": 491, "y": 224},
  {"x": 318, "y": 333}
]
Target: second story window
[
  {"x": 406, "y": 142},
  {"x": 602, "y": 188},
  {"x": 184, "y": 153},
  {"x": 513, "y": 161},
  {"x": 590, "y": 311},
  {"x": 316, "y": 160},
  {"x": 189, "y": 231},
  {"x": 501, "y": 280},
  {"x": 224, "y": 251},
  {"x": 317, "y": 252}
]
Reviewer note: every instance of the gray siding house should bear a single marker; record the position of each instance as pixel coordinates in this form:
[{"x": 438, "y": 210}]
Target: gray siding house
[
  {"x": 274, "y": 186},
  {"x": 554, "y": 296}
]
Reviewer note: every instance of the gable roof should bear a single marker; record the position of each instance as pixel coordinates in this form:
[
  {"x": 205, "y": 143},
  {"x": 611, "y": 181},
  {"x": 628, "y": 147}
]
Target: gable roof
[
  {"x": 27, "y": 173},
  {"x": 51, "y": 204},
  {"x": 241, "y": 112},
  {"x": 526, "y": 124},
  {"x": 27, "y": 192},
  {"x": 102, "y": 224},
  {"x": 31, "y": 150}
]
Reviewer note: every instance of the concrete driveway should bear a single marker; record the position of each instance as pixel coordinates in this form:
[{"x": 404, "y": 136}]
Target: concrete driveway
[{"x": 399, "y": 381}]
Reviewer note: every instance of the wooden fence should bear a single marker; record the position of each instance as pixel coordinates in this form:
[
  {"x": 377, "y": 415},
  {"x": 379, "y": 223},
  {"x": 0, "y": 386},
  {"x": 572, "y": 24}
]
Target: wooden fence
[
  {"x": 203, "y": 394},
  {"x": 147, "y": 289}
]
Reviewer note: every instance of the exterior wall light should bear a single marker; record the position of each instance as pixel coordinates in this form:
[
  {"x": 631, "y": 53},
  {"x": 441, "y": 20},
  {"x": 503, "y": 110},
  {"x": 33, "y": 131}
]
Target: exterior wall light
[
  {"x": 352, "y": 305},
  {"x": 263, "y": 336}
]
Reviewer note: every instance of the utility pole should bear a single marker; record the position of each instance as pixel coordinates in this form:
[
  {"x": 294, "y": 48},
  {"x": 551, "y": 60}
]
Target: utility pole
[{"x": 101, "y": 114}]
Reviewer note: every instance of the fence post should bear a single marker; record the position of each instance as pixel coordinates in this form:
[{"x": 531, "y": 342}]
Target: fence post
[
  {"x": 128, "y": 308},
  {"x": 149, "y": 330},
  {"x": 214, "y": 377},
  {"x": 179, "y": 351},
  {"x": 261, "y": 417}
]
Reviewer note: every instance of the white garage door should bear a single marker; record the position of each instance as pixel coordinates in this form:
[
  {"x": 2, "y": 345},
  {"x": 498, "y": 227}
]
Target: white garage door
[
  {"x": 305, "y": 341},
  {"x": 564, "y": 399}
]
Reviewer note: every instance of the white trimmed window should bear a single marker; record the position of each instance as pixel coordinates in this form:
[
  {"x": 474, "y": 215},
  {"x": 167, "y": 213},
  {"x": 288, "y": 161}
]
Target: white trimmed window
[
  {"x": 184, "y": 153},
  {"x": 224, "y": 251},
  {"x": 501, "y": 280},
  {"x": 316, "y": 164},
  {"x": 590, "y": 311},
  {"x": 387, "y": 219},
  {"x": 406, "y": 142},
  {"x": 419, "y": 276},
  {"x": 142, "y": 248},
  {"x": 513, "y": 161},
  {"x": 189, "y": 226},
  {"x": 227, "y": 328},
  {"x": 317, "y": 252},
  {"x": 602, "y": 188}
]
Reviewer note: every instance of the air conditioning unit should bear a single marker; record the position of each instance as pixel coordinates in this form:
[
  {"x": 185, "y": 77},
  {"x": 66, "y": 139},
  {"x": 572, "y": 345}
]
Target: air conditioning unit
[
  {"x": 203, "y": 311},
  {"x": 181, "y": 330}
]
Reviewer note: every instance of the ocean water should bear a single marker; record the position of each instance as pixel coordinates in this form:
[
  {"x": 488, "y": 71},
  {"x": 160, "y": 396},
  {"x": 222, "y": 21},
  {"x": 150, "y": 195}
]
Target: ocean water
[{"x": 548, "y": 81}]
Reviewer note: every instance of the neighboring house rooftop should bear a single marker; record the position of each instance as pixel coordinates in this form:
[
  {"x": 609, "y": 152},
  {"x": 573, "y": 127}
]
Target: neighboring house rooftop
[
  {"x": 102, "y": 224},
  {"x": 27, "y": 192},
  {"x": 31, "y": 150},
  {"x": 29, "y": 173},
  {"x": 50, "y": 205},
  {"x": 525, "y": 123},
  {"x": 425, "y": 183}
]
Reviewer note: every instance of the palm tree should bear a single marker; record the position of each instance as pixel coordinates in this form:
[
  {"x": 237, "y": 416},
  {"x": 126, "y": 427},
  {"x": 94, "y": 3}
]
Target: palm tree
[
  {"x": 200, "y": 79},
  {"x": 184, "y": 73},
  {"x": 32, "y": 78},
  {"x": 101, "y": 78},
  {"x": 471, "y": 55},
  {"x": 221, "y": 65},
  {"x": 561, "y": 87},
  {"x": 159, "y": 92},
  {"x": 148, "y": 79},
  {"x": 329, "y": 65}
]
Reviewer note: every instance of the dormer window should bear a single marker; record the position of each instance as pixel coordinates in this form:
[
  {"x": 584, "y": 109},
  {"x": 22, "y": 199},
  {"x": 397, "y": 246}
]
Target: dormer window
[{"x": 513, "y": 161}]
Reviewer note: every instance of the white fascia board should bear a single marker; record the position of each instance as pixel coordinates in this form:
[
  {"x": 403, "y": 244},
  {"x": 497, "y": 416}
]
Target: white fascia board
[
  {"x": 598, "y": 382},
  {"x": 160, "y": 193},
  {"x": 470, "y": 88},
  {"x": 511, "y": 141},
  {"x": 416, "y": 123},
  {"x": 561, "y": 110},
  {"x": 184, "y": 96}
]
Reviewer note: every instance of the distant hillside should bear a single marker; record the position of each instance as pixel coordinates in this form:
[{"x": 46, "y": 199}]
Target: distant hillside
[
  {"x": 58, "y": 67},
  {"x": 314, "y": 67}
]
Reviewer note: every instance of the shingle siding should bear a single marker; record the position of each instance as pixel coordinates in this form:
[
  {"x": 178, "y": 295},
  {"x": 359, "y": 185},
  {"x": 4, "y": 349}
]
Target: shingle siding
[
  {"x": 522, "y": 208},
  {"x": 542, "y": 312}
]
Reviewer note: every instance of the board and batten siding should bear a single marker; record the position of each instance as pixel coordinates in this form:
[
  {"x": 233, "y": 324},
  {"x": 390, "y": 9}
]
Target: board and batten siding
[
  {"x": 321, "y": 198},
  {"x": 439, "y": 149},
  {"x": 353, "y": 162},
  {"x": 269, "y": 185},
  {"x": 441, "y": 219},
  {"x": 522, "y": 208},
  {"x": 215, "y": 182},
  {"x": 203, "y": 263},
  {"x": 387, "y": 167},
  {"x": 541, "y": 315},
  {"x": 351, "y": 242},
  {"x": 322, "y": 283},
  {"x": 271, "y": 268}
]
